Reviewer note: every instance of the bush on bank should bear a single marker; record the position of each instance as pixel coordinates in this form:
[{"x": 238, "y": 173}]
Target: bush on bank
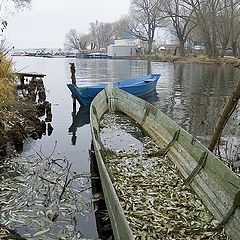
[{"x": 7, "y": 86}]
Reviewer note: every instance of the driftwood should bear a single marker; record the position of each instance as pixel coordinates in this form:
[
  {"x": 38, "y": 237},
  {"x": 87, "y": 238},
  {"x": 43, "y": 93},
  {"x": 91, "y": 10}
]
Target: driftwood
[{"x": 226, "y": 114}]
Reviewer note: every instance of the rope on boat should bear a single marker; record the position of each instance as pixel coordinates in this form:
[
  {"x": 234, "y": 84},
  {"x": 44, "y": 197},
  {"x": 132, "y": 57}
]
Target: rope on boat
[
  {"x": 201, "y": 164},
  {"x": 236, "y": 204}
]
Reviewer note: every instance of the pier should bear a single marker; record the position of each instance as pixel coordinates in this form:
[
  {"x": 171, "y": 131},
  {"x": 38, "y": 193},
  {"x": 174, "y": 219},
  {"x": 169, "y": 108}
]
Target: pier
[{"x": 33, "y": 75}]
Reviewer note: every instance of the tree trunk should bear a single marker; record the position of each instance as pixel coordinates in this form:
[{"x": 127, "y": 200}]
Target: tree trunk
[
  {"x": 234, "y": 48},
  {"x": 182, "y": 49},
  {"x": 226, "y": 114},
  {"x": 209, "y": 51},
  {"x": 149, "y": 50},
  {"x": 224, "y": 49}
]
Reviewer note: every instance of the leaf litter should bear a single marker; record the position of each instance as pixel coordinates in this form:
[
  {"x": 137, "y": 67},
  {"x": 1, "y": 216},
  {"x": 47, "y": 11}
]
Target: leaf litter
[
  {"x": 41, "y": 198},
  {"x": 151, "y": 191}
]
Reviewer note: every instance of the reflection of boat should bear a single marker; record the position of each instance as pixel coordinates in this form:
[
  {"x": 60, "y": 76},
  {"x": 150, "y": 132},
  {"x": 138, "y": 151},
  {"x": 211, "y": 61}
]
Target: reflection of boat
[
  {"x": 214, "y": 183},
  {"x": 141, "y": 86},
  {"x": 80, "y": 119}
]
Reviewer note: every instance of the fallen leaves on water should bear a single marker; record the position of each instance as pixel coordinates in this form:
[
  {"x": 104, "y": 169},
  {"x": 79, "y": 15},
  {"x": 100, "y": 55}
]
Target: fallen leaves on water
[{"x": 41, "y": 198}]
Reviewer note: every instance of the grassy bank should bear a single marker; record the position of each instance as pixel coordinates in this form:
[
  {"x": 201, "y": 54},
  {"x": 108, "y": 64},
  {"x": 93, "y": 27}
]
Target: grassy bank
[{"x": 164, "y": 57}]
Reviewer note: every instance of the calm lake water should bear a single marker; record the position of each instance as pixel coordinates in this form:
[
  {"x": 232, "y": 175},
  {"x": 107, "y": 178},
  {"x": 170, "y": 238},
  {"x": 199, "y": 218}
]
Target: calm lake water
[{"x": 191, "y": 94}]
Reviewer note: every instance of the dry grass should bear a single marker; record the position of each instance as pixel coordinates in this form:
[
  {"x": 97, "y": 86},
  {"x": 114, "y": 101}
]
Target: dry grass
[{"x": 7, "y": 86}]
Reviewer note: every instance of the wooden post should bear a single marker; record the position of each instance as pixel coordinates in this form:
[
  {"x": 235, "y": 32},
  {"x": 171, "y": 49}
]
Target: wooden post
[
  {"x": 73, "y": 71},
  {"x": 22, "y": 81},
  {"x": 149, "y": 67},
  {"x": 73, "y": 77},
  {"x": 226, "y": 114}
]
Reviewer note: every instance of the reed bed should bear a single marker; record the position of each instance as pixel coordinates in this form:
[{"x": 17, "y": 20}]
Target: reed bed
[{"x": 7, "y": 86}]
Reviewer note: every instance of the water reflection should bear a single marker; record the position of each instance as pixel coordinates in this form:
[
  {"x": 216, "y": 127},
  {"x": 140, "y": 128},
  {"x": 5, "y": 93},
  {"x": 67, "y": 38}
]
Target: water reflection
[
  {"x": 79, "y": 120},
  {"x": 196, "y": 94},
  {"x": 191, "y": 94}
]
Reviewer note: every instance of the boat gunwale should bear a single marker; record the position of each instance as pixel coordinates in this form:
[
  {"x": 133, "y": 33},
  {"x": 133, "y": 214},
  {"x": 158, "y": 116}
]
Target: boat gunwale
[
  {"x": 219, "y": 209},
  {"x": 85, "y": 94}
]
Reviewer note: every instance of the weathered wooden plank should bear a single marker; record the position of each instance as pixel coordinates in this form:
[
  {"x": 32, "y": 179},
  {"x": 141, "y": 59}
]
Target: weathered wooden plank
[
  {"x": 215, "y": 184},
  {"x": 119, "y": 223},
  {"x": 30, "y": 74}
]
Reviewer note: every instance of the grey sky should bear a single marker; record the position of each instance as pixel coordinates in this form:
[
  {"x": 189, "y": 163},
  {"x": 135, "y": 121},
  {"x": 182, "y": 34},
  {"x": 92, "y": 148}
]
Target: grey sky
[{"x": 47, "y": 22}]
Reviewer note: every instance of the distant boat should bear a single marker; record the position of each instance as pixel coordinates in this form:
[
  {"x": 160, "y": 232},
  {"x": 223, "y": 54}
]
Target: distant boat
[
  {"x": 92, "y": 55},
  {"x": 141, "y": 87},
  {"x": 19, "y": 54},
  {"x": 214, "y": 183}
]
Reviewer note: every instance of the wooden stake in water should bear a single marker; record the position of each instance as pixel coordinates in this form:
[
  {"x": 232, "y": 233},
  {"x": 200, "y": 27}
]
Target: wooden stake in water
[
  {"x": 73, "y": 77},
  {"x": 73, "y": 71}
]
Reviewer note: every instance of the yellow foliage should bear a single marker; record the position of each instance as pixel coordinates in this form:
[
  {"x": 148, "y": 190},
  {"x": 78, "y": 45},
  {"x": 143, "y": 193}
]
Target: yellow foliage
[{"x": 7, "y": 87}]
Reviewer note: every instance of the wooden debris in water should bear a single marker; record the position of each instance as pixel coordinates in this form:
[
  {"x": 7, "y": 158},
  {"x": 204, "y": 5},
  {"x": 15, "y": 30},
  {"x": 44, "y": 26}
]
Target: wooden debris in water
[{"x": 155, "y": 200}]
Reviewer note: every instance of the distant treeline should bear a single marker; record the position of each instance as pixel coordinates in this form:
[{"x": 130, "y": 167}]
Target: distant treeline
[{"x": 211, "y": 24}]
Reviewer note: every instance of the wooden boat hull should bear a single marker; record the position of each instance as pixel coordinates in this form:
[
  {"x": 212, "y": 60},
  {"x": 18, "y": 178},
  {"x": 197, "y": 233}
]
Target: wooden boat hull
[
  {"x": 214, "y": 183},
  {"x": 141, "y": 87}
]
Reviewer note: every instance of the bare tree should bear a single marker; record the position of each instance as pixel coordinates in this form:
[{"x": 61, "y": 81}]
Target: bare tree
[
  {"x": 120, "y": 27},
  {"x": 102, "y": 34},
  {"x": 145, "y": 18},
  {"x": 14, "y": 5},
  {"x": 20, "y": 4},
  {"x": 76, "y": 41},
  {"x": 72, "y": 40},
  {"x": 7, "y": 6},
  {"x": 180, "y": 16},
  {"x": 204, "y": 15},
  {"x": 235, "y": 33},
  {"x": 228, "y": 14}
]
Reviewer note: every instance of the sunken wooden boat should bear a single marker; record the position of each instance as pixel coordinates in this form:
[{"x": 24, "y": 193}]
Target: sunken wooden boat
[
  {"x": 141, "y": 87},
  {"x": 213, "y": 182}
]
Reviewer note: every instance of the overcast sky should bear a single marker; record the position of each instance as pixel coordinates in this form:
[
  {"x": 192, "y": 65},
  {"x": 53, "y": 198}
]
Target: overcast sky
[{"x": 47, "y": 22}]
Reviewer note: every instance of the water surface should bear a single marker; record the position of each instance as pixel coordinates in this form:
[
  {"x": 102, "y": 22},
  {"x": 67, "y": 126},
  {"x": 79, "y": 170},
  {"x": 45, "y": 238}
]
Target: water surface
[{"x": 191, "y": 94}]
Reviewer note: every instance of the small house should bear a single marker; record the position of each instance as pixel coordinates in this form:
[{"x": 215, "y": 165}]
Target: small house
[{"x": 124, "y": 48}]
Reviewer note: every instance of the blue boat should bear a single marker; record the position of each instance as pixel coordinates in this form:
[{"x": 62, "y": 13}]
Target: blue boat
[{"x": 141, "y": 87}]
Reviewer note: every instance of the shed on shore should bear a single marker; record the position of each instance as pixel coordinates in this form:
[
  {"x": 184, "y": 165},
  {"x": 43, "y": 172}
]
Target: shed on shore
[{"x": 121, "y": 51}]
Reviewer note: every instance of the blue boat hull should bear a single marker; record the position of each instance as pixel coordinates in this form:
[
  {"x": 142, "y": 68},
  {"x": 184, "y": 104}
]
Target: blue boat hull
[{"x": 140, "y": 87}]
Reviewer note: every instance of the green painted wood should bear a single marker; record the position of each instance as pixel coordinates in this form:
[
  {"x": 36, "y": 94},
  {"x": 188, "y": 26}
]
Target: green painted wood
[
  {"x": 215, "y": 184},
  {"x": 120, "y": 227}
]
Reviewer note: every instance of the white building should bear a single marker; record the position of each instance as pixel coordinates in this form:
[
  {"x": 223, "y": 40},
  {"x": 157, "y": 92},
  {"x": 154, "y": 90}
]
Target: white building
[{"x": 124, "y": 48}]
